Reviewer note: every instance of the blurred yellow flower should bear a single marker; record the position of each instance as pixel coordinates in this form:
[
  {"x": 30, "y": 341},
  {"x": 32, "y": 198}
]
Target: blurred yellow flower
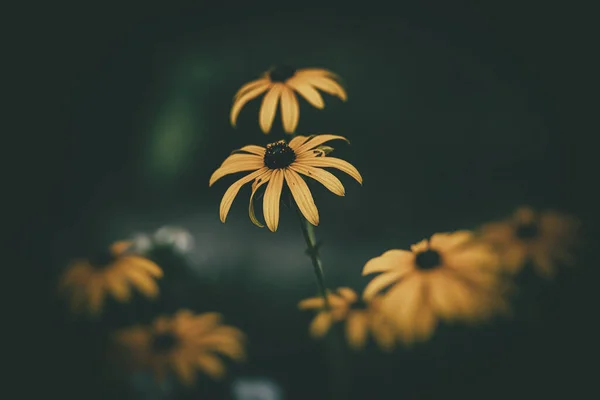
[
  {"x": 88, "y": 281},
  {"x": 280, "y": 161},
  {"x": 544, "y": 238},
  {"x": 282, "y": 82},
  {"x": 450, "y": 277},
  {"x": 360, "y": 321},
  {"x": 181, "y": 345}
]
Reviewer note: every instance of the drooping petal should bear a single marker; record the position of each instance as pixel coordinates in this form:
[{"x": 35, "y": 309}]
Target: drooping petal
[
  {"x": 235, "y": 167},
  {"x": 211, "y": 365},
  {"x": 261, "y": 180},
  {"x": 348, "y": 294},
  {"x": 317, "y": 140},
  {"x": 328, "y": 85},
  {"x": 241, "y": 101},
  {"x": 253, "y": 149},
  {"x": 290, "y": 110},
  {"x": 302, "y": 196},
  {"x": 269, "y": 107},
  {"x": 320, "y": 324},
  {"x": 118, "y": 287},
  {"x": 357, "y": 329},
  {"x": 241, "y": 158},
  {"x": 250, "y": 86},
  {"x": 332, "y": 162},
  {"x": 143, "y": 282},
  {"x": 297, "y": 141},
  {"x": 398, "y": 260},
  {"x": 382, "y": 281},
  {"x": 142, "y": 263},
  {"x": 233, "y": 190},
  {"x": 308, "y": 92},
  {"x": 271, "y": 200},
  {"x": 326, "y": 178}
]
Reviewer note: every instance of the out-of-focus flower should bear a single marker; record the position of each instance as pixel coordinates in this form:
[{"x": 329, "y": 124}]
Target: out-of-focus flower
[
  {"x": 282, "y": 82},
  {"x": 179, "y": 238},
  {"x": 450, "y": 276},
  {"x": 141, "y": 243},
  {"x": 256, "y": 389},
  {"x": 545, "y": 238},
  {"x": 360, "y": 319},
  {"x": 181, "y": 345},
  {"x": 114, "y": 272},
  {"x": 281, "y": 161}
]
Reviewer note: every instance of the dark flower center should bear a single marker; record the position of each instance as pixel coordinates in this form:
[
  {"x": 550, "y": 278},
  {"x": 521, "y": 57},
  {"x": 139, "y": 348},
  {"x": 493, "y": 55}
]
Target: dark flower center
[
  {"x": 281, "y": 73},
  {"x": 428, "y": 259},
  {"x": 102, "y": 259},
  {"x": 279, "y": 155},
  {"x": 164, "y": 342},
  {"x": 529, "y": 230}
]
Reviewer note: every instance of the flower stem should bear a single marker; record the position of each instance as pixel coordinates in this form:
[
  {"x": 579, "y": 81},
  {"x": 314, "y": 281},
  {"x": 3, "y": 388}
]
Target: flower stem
[{"x": 313, "y": 252}]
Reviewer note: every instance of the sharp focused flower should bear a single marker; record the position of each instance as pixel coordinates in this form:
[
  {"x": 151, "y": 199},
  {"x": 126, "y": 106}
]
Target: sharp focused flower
[
  {"x": 114, "y": 272},
  {"x": 181, "y": 345},
  {"x": 278, "y": 162},
  {"x": 281, "y": 83},
  {"x": 450, "y": 277},
  {"x": 544, "y": 238},
  {"x": 360, "y": 320}
]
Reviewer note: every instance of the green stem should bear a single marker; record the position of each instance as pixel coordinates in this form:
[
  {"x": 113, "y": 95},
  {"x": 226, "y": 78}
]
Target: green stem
[{"x": 313, "y": 251}]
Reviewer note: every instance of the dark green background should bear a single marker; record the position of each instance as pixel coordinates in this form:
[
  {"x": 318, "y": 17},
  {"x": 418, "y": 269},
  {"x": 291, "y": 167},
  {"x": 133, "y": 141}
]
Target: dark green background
[{"x": 455, "y": 115}]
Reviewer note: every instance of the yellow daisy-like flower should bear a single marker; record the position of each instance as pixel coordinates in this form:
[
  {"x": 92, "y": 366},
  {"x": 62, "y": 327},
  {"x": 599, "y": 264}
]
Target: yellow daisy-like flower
[
  {"x": 181, "y": 345},
  {"x": 450, "y": 277},
  {"x": 281, "y": 83},
  {"x": 545, "y": 238},
  {"x": 360, "y": 321},
  {"x": 278, "y": 162},
  {"x": 88, "y": 282}
]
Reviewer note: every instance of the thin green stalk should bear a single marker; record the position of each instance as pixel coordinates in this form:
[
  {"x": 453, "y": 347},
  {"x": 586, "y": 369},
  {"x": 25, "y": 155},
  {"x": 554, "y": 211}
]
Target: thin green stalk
[{"x": 313, "y": 252}]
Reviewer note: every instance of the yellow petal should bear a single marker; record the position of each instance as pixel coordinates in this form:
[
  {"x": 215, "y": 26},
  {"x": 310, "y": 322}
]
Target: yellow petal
[
  {"x": 347, "y": 294},
  {"x": 332, "y": 162},
  {"x": 302, "y": 196},
  {"x": 118, "y": 287},
  {"x": 402, "y": 304},
  {"x": 381, "y": 282},
  {"x": 271, "y": 200},
  {"x": 297, "y": 141},
  {"x": 96, "y": 297},
  {"x": 261, "y": 180},
  {"x": 269, "y": 106},
  {"x": 142, "y": 263},
  {"x": 326, "y": 178},
  {"x": 311, "y": 72},
  {"x": 253, "y": 149},
  {"x": 120, "y": 247},
  {"x": 241, "y": 101},
  {"x": 211, "y": 365},
  {"x": 317, "y": 140},
  {"x": 79, "y": 271},
  {"x": 328, "y": 85},
  {"x": 448, "y": 297},
  {"x": 143, "y": 282},
  {"x": 250, "y": 86},
  {"x": 290, "y": 110},
  {"x": 240, "y": 158},
  {"x": 384, "y": 335},
  {"x": 317, "y": 302},
  {"x": 184, "y": 370},
  {"x": 224, "y": 345},
  {"x": 233, "y": 190},
  {"x": 399, "y": 260},
  {"x": 419, "y": 247},
  {"x": 235, "y": 167},
  {"x": 308, "y": 92},
  {"x": 446, "y": 241},
  {"x": 320, "y": 325},
  {"x": 357, "y": 329}
]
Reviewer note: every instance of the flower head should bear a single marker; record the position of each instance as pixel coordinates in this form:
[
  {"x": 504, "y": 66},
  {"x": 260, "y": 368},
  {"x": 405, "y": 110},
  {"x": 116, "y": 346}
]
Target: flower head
[
  {"x": 545, "y": 238},
  {"x": 280, "y": 83},
  {"x": 113, "y": 272},
  {"x": 361, "y": 320},
  {"x": 181, "y": 344},
  {"x": 448, "y": 277},
  {"x": 279, "y": 162}
]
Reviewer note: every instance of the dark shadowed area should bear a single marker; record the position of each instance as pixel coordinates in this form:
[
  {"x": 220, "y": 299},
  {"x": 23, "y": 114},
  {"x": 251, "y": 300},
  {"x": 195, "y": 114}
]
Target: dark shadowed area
[{"x": 455, "y": 116}]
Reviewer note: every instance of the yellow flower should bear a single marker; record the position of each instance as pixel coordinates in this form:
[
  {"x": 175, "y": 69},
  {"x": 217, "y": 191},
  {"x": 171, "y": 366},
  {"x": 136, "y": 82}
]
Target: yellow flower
[
  {"x": 448, "y": 277},
  {"x": 278, "y": 162},
  {"x": 545, "y": 238},
  {"x": 359, "y": 321},
  {"x": 181, "y": 344},
  {"x": 87, "y": 282},
  {"x": 282, "y": 82}
]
